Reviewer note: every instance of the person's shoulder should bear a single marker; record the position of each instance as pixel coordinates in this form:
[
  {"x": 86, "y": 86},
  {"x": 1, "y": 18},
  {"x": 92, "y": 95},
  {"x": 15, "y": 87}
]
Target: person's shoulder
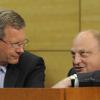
[
  {"x": 30, "y": 61},
  {"x": 29, "y": 56}
]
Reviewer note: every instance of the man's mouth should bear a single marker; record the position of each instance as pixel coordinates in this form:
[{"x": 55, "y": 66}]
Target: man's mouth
[{"x": 79, "y": 69}]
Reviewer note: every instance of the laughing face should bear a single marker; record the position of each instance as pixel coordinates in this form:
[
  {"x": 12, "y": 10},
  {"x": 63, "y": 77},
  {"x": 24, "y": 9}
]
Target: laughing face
[{"x": 85, "y": 53}]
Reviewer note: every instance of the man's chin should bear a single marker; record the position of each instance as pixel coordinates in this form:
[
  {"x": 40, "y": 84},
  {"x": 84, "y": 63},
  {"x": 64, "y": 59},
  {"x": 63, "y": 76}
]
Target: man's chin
[
  {"x": 81, "y": 71},
  {"x": 14, "y": 61}
]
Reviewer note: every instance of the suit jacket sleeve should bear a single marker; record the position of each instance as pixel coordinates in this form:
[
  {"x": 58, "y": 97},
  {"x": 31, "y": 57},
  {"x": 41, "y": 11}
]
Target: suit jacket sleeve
[{"x": 89, "y": 79}]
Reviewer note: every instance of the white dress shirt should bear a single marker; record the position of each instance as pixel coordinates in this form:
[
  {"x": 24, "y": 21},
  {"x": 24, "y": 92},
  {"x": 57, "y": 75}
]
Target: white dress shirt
[{"x": 2, "y": 75}]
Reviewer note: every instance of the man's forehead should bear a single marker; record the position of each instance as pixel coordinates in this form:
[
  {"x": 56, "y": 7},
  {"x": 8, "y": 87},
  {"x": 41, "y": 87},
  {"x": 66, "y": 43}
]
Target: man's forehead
[
  {"x": 83, "y": 37},
  {"x": 85, "y": 48},
  {"x": 85, "y": 41},
  {"x": 80, "y": 50}
]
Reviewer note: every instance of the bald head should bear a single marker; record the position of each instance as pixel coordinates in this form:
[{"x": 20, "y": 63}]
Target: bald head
[{"x": 88, "y": 35}]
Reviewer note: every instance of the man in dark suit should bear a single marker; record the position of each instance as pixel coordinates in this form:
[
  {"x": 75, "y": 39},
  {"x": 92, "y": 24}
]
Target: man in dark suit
[
  {"x": 85, "y": 53},
  {"x": 28, "y": 72},
  {"x": 17, "y": 68}
]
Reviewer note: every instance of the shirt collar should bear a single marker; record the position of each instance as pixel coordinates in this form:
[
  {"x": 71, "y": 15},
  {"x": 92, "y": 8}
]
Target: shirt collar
[{"x": 3, "y": 68}]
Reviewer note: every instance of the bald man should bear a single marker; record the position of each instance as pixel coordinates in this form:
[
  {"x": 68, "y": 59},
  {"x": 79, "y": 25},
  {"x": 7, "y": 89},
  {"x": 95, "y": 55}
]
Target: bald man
[{"x": 85, "y": 55}]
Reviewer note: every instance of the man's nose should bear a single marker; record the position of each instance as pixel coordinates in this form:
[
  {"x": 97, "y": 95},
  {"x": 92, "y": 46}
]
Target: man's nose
[
  {"x": 77, "y": 59},
  {"x": 20, "y": 49}
]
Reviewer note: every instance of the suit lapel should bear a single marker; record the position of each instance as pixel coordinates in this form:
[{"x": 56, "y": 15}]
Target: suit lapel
[{"x": 11, "y": 76}]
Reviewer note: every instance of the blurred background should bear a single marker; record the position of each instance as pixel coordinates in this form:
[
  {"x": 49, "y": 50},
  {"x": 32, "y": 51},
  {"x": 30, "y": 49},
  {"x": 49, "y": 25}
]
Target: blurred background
[{"x": 51, "y": 26}]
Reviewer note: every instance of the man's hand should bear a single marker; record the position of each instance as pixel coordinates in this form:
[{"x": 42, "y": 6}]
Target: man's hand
[{"x": 63, "y": 83}]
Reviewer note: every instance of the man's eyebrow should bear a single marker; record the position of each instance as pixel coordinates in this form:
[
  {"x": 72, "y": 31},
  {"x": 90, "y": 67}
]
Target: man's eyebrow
[
  {"x": 85, "y": 51},
  {"x": 82, "y": 50}
]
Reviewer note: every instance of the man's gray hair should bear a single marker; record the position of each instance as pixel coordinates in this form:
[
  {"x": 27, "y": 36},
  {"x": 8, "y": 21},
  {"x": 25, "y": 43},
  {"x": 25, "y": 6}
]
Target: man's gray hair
[{"x": 10, "y": 18}]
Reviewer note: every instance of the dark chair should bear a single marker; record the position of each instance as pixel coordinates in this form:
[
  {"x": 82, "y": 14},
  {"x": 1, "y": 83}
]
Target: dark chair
[{"x": 71, "y": 72}]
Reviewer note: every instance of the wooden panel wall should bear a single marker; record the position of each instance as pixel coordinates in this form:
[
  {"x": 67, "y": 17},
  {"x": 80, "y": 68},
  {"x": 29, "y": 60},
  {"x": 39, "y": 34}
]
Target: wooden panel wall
[{"x": 90, "y": 14}]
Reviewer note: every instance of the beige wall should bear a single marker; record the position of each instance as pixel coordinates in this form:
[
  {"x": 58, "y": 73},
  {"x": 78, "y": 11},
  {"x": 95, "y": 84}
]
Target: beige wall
[
  {"x": 51, "y": 27},
  {"x": 90, "y": 12}
]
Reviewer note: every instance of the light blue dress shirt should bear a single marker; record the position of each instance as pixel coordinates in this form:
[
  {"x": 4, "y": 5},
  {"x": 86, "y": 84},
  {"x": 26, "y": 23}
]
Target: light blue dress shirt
[{"x": 2, "y": 75}]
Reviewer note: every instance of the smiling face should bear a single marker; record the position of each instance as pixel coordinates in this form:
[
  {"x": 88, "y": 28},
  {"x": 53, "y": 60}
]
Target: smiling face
[
  {"x": 9, "y": 54},
  {"x": 86, "y": 53}
]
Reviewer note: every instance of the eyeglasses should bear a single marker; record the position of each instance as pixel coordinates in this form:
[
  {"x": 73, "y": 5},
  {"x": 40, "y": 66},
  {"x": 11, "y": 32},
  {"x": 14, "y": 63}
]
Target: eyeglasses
[{"x": 17, "y": 44}]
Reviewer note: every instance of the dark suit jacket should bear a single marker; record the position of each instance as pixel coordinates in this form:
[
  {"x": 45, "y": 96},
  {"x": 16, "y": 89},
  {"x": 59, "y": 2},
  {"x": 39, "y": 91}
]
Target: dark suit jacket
[
  {"x": 71, "y": 72},
  {"x": 86, "y": 79},
  {"x": 89, "y": 79},
  {"x": 29, "y": 72}
]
